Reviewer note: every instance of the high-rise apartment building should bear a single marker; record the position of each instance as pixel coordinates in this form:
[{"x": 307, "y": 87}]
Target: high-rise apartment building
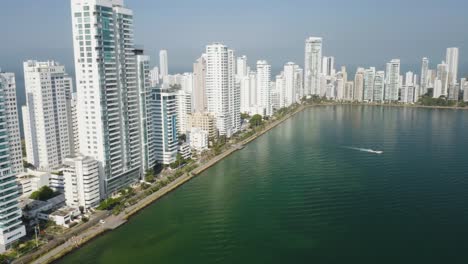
[
  {"x": 393, "y": 80},
  {"x": 154, "y": 76},
  {"x": 199, "y": 84},
  {"x": 441, "y": 80},
  {"x": 164, "y": 120},
  {"x": 144, "y": 84},
  {"x": 312, "y": 65},
  {"x": 452, "y": 64},
  {"x": 11, "y": 226},
  {"x": 263, "y": 87},
  {"x": 349, "y": 91},
  {"x": 328, "y": 66},
  {"x": 359, "y": 85},
  {"x": 290, "y": 84},
  {"x": 8, "y": 89},
  {"x": 184, "y": 108},
  {"x": 241, "y": 66},
  {"x": 464, "y": 88},
  {"x": 409, "y": 78},
  {"x": 73, "y": 121},
  {"x": 163, "y": 64},
  {"x": 223, "y": 97},
  {"x": 379, "y": 87},
  {"x": 424, "y": 76},
  {"x": 369, "y": 79},
  {"x": 107, "y": 89},
  {"x": 46, "y": 114}
]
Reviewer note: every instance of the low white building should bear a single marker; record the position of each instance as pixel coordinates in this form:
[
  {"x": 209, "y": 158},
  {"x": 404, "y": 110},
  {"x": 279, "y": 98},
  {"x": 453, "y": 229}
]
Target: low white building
[
  {"x": 198, "y": 139},
  {"x": 62, "y": 217},
  {"x": 31, "y": 208},
  {"x": 32, "y": 181},
  {"x": 82, "y": 182}
]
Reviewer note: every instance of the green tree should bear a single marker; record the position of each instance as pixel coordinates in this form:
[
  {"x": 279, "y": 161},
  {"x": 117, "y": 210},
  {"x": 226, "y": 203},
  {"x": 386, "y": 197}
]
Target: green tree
[
  {"x": 245, "y": 116},
  {"x": 109, "y": 204},
  {"x": 255, "y": 121},
  {"x": 182, "y": 138},
  {"x": 149, "y": 176},
  {"x": 43, "y": 194},
  {"x": 179, "y": 161},
  {"x": 4, "y": 259}
]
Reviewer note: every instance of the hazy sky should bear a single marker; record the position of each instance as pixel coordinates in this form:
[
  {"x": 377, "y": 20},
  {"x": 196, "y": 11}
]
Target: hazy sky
[{"x": 356, "y": 32}]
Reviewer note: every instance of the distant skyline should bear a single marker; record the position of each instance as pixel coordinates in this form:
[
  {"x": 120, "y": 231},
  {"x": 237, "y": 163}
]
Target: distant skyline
[{"x": 357, "y": 33}]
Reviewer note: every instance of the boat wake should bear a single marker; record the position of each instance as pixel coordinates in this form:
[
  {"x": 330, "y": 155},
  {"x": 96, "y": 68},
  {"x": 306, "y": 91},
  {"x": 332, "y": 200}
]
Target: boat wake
[{"x": 366, "y": 150}]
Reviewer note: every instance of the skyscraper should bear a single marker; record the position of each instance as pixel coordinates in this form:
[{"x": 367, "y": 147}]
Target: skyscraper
[
  {"x": 280, "y": 90},
  {"x": 244, "y": 83},
  {"x": 442, "y": 80},
  {"x": 241, "y": 67},
  {"x": 359, "y": 85},
  {"x": 452, "y": 63},
  {"x": 369, "y": 79},
  {"x": 393, "y": 80},
  {"x": 289, "y": 84},
  {"x": 154, "y": 77},
  {"x": 11, "y": 226},
  {"x": 424, "y": 76},
  {"x": 46, "y": 123},
  {"x": 328, "y": 66},
  {"x": 349, "y": 91},
  {"x": 164, "y": 119},
  {"x": 8, "y": 89},
  {"x": 379, "y": 86},
  {"x": 312, "y": 65},
  {"x": 464, "y": 88},
  {"x": 263, "y": 87},
  {"x": 105, "y": 61},
  {"x": 163, "y": 63},
  {"x": 409, "y": 78},
  {"x": 199, "y": 84},
  {"x": 223, "y": 99},
  {"x": 144, "y": 85}
]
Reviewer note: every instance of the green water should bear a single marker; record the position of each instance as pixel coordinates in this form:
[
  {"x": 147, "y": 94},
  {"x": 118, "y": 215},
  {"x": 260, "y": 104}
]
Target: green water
[{"x": 299, "y": 195}]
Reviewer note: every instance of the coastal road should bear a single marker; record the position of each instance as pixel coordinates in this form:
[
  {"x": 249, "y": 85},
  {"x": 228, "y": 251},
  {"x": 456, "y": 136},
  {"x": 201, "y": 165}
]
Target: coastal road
[{"x": 111, "y": 222}]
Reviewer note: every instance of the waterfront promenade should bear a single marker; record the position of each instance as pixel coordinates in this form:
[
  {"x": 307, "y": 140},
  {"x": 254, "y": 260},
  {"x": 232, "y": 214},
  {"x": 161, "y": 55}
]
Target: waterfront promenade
[{"x": 58, "y": 249}]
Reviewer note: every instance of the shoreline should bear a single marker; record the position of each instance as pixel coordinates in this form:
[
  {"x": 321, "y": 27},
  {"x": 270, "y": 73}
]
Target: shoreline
[
  {"x": 97, "y": 230},
  {"x": 115, "y": 221}
]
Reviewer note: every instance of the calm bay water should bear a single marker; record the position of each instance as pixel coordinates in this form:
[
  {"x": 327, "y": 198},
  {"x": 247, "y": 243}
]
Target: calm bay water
[{"x": 299, "y": 195}]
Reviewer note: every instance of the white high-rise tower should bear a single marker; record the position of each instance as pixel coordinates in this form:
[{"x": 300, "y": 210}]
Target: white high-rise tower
[
  {"x": 263, "y": 87},
  {"x": 452, "y": 63},
  {"x": 393, "y": 80},
  {"x": 424, "y": 76},
  {"x": 163, "y": 63},
  {"x": 369, "y": 79},
  {"x": 107, "y": 89},
  {"x": 46, "y": 123},
  {"x": 11, "y": 226},
  {"x": 199, "y": 84},
  {"x": 223, "y": 98},
  {"x": 290, "y": 82},
  {"x": 312, "y": 65},
  {"x": 8, "y": 88}
]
